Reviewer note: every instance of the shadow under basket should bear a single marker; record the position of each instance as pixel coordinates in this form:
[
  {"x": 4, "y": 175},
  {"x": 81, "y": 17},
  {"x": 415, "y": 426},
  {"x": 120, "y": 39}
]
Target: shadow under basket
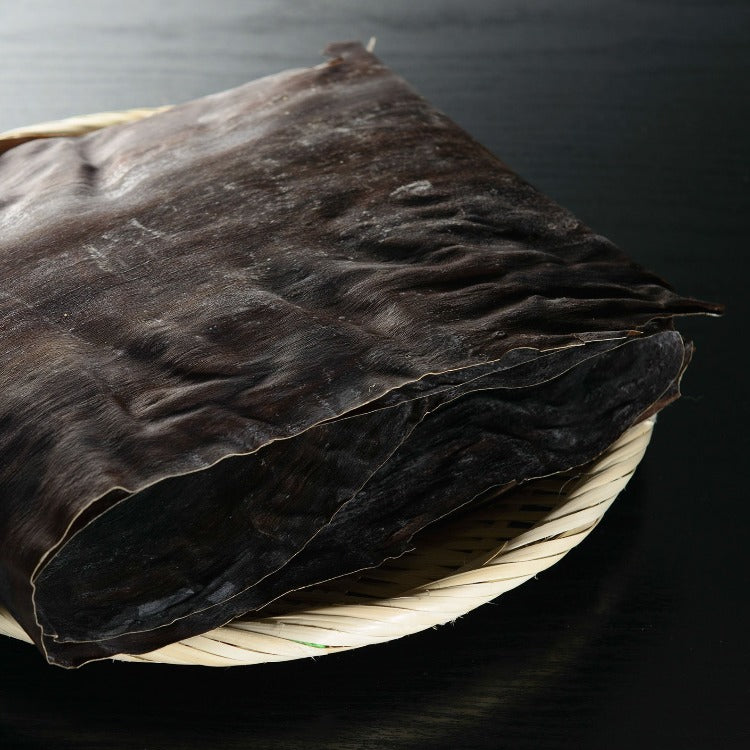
[{"x": 457, "y": 564}]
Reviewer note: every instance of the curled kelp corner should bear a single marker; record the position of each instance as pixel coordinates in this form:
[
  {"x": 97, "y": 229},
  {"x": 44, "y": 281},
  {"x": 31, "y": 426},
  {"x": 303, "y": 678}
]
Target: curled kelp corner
[{"x": 258, "y": 340}]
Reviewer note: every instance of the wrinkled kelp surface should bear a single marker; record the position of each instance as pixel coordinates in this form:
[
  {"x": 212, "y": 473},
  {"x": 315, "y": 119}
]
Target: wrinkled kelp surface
[{"x": 259, "y": 340}]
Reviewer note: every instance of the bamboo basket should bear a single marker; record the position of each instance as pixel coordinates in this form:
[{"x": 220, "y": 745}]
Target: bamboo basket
[{"x": 456, "y": 565}]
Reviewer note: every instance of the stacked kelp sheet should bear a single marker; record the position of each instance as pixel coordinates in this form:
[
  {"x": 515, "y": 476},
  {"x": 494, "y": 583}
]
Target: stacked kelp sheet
[{"x": 257, "y": 341}]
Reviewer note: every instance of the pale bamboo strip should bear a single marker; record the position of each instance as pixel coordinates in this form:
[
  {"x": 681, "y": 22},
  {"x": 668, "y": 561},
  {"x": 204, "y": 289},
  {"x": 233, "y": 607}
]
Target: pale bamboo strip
[{"x": 74, "y": 126}]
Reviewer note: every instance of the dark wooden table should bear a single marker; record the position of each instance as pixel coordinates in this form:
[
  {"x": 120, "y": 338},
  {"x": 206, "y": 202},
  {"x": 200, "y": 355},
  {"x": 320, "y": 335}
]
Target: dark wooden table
[{"x": 635, "y": 116}]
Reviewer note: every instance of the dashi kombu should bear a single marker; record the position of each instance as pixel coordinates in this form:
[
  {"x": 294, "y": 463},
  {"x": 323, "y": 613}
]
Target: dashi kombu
[{"x": 259, "y": 340}]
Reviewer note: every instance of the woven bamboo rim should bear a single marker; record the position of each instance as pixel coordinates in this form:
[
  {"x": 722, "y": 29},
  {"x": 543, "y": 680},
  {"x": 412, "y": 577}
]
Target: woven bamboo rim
[
  {"x": 73, "y": 126},
  {"x": 456, "y": 565}
]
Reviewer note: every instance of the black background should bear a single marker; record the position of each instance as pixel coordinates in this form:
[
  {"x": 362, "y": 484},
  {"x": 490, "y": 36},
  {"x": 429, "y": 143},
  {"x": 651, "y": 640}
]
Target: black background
[{"x": 634, "y": 114}]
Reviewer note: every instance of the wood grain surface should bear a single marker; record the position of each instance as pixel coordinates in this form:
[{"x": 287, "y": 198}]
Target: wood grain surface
[{"x": 634, "y": 115}]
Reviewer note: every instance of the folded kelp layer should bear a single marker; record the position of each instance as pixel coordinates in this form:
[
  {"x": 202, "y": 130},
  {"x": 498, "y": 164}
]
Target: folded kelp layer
[{"x": 259, "y": 340}]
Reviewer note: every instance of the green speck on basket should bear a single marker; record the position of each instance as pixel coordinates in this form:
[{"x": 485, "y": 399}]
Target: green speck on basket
[{"x": 313, "y": 645}]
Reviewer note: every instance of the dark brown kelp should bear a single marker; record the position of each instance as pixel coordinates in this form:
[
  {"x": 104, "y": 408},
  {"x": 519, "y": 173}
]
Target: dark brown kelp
[{"x": 259, "y": 340}]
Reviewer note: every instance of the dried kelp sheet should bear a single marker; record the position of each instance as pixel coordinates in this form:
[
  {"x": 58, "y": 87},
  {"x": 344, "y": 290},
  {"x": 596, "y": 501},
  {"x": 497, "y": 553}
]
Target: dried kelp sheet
[{"x": 259, "y": 340}]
